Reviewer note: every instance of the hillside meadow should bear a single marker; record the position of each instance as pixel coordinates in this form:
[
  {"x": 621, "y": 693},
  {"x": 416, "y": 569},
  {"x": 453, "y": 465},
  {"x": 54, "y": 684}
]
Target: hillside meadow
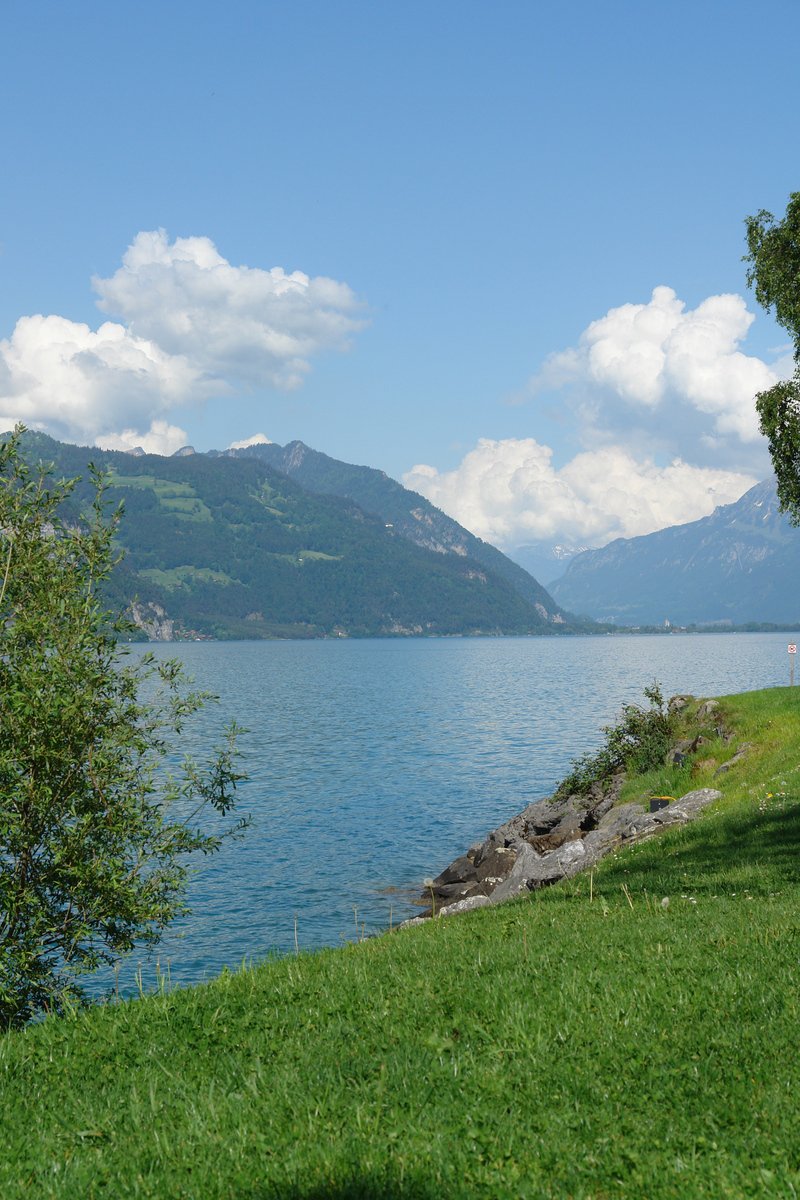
[{"x": 629, "y": 1034}]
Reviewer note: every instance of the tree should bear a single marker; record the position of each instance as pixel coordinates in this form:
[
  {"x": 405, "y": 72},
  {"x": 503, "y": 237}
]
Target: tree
[
  {"x": 774, "y": 271},
  {"x": 95, "y": 834}
]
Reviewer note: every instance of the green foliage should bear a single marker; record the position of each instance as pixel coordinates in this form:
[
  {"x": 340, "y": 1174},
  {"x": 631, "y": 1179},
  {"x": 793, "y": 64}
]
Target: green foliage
[
  {"x": 94, "y": 836},
  {"x": 774, "y": 257},
  {"x": 638, "y": 742},
  {"x": 774, "y": 272},
  {"x": 779, "y": 421}
]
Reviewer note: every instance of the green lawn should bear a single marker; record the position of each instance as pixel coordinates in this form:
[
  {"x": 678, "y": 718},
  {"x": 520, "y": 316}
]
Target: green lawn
[{"x": 560, "y": 1046}]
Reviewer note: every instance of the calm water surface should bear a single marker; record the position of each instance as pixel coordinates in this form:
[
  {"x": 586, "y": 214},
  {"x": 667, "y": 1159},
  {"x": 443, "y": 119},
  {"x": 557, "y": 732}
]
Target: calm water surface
[{"x": 373, "y": 763}]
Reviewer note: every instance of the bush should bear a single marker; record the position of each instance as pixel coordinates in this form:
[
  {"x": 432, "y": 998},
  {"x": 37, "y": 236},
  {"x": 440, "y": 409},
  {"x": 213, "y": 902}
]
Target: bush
[
  {"x": 638, "y": 742},
  {"x": 95, "y": 836}
]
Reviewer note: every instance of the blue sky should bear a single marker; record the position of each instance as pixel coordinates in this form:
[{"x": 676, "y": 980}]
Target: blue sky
[{"x": 481, "y": 182}]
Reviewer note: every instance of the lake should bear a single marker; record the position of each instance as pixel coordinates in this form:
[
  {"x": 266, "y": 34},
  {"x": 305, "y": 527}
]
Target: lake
[{"x": 373, "y": 763}]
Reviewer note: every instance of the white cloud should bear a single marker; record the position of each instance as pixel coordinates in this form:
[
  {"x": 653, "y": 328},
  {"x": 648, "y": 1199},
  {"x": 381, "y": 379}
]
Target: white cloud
[
  {"x": 509, "y": 493},
  {"x": 161, "y": 438},
  {"x": 258, "y": 439},
  {"x": 659, "y": 355},
  {"x": 82, "y": 384},
  {"x": 193, "y": 328},
  {"x": 242, "y": 324}
]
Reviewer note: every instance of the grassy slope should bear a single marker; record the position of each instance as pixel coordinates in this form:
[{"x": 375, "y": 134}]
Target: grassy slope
[{"x": 553, "y": 1047}]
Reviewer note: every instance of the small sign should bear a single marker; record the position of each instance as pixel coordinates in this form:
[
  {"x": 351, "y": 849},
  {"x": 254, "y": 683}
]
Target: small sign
[{"x": 792, "y": 647}]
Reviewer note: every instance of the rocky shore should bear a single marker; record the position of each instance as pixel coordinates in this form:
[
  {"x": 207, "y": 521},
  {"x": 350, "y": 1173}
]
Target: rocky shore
[{"x": 557, "y": 837}]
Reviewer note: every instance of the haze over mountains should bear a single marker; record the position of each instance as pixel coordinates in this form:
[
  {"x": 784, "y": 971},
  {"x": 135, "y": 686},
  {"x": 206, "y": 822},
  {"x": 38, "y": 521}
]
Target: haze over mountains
[
  {"x": 740, "y": 564},
  {"x": 545, "y": 559}
]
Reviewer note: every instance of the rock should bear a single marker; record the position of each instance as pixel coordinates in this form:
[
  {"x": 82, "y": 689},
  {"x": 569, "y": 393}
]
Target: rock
[
  {"x": 567, "y": 830},
  {"x": 412, "y": 921},
  {"x": 462, "y": 906},
  {"x": 570, "y": 858},
  {"x": 541, "y": 816},
  {"x": 623, "y": 821},
  {"x": 533, "y": 870},
  {"x": 677, "y": 704},
  {"x": 691, "y": 804},
  {"x": 678, "y": 754},
  {"x": 497, "y": 865},
  {"x": 738, "y": 756},
  {"x": 518, "y": 881},
  {"x": 707, "y": 709},
  {"x": 545, "y": 828},
  {"x": 459, "y": 870},
  {"x": 598, "y": 843},
  {"x": 607, "y": 802},
  {"x": 446, "y": 893},
  {"x": 153, "y": 620}
]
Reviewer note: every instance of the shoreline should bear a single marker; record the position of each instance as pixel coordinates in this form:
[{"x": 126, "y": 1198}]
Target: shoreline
[{"x": 560, "y": 836}]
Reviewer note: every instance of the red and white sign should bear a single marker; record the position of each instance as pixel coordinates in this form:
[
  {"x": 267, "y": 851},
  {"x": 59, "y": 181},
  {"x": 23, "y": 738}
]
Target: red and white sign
[{"x": 792, "y": 648}]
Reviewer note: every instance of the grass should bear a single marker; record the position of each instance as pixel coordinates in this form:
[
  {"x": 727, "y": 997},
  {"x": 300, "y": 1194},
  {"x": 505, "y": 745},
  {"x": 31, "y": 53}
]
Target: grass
[
  {"x": 175, "y": 577},
  {"x": 555, "y": 1047},
  {"x": 179, "y": 498},
  {"x": 318, "y": 555}
]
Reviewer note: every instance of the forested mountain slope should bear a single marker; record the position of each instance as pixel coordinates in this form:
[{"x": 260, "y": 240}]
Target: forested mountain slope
[
  {"x": 230, "y": 547},
  {"x": 411, "y": 515}
]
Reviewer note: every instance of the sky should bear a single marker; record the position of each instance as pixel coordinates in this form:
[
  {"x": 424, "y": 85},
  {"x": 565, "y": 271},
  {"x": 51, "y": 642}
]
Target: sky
[{"x": 494, "y": 249}]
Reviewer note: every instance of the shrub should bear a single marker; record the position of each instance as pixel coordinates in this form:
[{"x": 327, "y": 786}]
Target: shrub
[
  {"x": 638, "y": 742},
  {"x": 94, "y": 834}
]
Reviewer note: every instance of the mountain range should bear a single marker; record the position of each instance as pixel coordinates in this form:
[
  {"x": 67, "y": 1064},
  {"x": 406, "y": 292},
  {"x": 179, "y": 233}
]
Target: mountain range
[
  {"x": 271, "y": 540},
  {"x": 739, "y": 565},
  {"x": 233, "y": 545}
]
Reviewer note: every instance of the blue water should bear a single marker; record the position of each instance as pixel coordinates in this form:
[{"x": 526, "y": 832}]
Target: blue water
[{"x": 373, "y": 763}]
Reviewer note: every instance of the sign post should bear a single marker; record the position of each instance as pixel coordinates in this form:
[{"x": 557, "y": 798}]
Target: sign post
[{"x": 792, "y": 657}]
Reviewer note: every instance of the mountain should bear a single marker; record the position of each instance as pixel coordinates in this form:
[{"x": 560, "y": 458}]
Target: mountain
[
  {"x": 738, "y": 565},
  {"x": 410, "y": 515},
  {"x": 545, "y": 560},
  {"x": 220, "y": 546}
]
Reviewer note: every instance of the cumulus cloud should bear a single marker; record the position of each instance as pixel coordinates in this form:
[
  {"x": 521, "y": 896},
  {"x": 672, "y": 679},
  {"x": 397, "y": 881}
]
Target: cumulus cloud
[
  {"x": 161, "y": 438},
  {"x": 238, "y": 323},
  {"x": 258, "y": 439},
  {"x": 192, "y": 328},
  {"x": 81, "y": 384},
  {"x": 508, "y": 492},
  {"x": 660, "y": 354}
]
